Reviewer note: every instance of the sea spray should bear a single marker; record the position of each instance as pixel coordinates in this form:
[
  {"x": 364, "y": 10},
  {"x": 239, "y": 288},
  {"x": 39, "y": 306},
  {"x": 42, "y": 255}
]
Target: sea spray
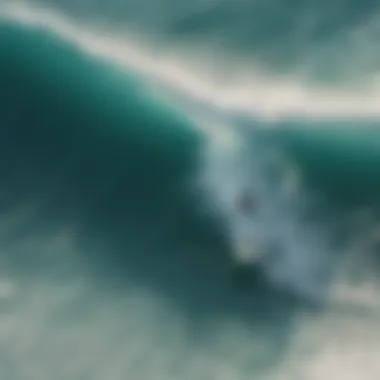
[{"x": 292, "y": 252}]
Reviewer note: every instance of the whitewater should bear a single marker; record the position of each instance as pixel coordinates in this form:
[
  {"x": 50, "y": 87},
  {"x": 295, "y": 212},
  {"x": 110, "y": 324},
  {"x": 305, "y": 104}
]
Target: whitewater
[{"x": 87, "y": 293}]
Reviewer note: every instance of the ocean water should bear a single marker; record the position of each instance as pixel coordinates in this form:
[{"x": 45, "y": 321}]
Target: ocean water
[{"x": 129, "y": 130}]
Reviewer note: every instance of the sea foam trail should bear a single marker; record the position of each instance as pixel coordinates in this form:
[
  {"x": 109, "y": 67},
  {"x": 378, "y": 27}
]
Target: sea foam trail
[{"x": 254, "y": 93}]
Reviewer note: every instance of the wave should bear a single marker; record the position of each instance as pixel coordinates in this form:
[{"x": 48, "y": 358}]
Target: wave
[
  {"x": 120, "y": 231},
  {"x": 206, "y": 146}
]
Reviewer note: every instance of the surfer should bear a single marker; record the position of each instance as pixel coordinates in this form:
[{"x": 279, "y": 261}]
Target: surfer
[
  {"x": 246, "y": 273},
  {"x": 246, "y": 204}
]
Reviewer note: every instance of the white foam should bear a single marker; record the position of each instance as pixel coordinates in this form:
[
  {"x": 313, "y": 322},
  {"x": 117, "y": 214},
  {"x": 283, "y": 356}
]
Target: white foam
[
  {"x": 294, "y": 255},
  {"x": 254, "y": 93}
]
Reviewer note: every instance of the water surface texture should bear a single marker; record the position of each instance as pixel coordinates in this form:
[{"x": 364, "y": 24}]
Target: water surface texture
[{"x": 129, "y": 130}]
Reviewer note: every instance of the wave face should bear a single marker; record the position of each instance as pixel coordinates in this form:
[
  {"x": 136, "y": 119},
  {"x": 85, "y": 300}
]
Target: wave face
[{"x": 123, "y": 155}]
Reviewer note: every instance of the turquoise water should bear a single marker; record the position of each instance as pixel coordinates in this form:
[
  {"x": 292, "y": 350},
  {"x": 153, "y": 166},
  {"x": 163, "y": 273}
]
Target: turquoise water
[{"x": 119, "y": 233}]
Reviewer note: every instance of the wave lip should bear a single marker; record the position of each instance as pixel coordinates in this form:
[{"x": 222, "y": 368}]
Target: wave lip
[{"x": 256, "y": 95}]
